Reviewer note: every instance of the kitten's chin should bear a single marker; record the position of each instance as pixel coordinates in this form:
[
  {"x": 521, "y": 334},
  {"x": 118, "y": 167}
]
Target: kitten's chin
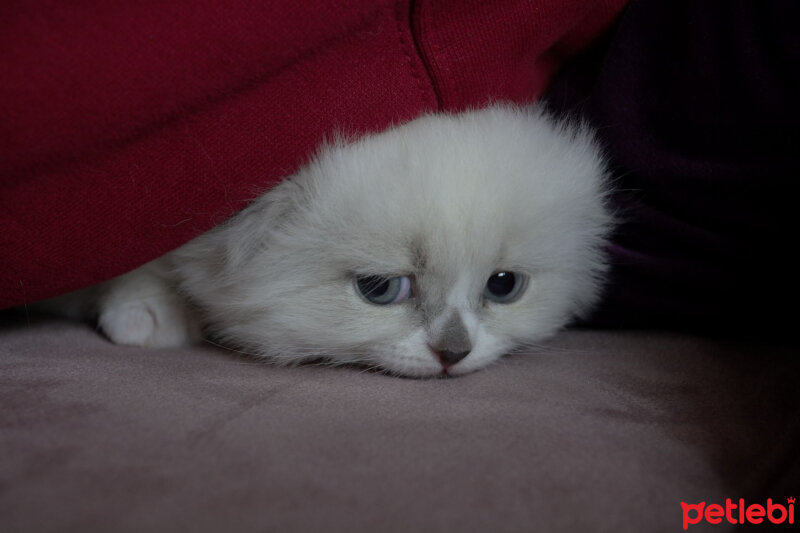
[
  {"x": 432, "y": 371},
  {"x": 420, "y": 368}
]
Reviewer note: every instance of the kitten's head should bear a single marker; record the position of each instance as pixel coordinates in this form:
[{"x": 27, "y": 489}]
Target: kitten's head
[{"x": 431, "y": 248}]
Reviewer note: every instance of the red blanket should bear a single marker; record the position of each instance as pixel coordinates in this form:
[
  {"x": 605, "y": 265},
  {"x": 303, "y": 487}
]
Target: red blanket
[{"x": 126, "y": 129}]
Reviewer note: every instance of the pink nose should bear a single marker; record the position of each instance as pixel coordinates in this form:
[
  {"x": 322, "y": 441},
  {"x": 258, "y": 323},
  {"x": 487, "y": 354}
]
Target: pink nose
[{"x": 448, "y": 358}]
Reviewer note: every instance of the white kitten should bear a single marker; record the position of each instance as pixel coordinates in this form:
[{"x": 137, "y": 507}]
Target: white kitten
[{"x": 433, "y": 247}]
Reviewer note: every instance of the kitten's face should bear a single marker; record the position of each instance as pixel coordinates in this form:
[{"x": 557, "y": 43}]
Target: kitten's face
[{"x": 433, "y": 248}]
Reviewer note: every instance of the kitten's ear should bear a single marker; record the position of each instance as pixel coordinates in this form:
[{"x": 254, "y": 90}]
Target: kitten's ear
[
  {"x": 236, "y": 241},
  {"x": 248, "y": 232}
]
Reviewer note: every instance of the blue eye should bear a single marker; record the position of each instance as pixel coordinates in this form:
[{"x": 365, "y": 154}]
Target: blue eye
[
  {"x": 380, "y": 290},
  {"x": 505, "y": 287}
]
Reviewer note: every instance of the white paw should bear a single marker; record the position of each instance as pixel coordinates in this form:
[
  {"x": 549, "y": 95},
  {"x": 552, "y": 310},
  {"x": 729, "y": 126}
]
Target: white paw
[{"x": 154, "y": 322}]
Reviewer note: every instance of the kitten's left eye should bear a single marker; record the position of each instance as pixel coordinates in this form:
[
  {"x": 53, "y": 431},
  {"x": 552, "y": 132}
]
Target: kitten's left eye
[
  {"x": 505, "y": 287},
  {"x": 384, "y": 291}
]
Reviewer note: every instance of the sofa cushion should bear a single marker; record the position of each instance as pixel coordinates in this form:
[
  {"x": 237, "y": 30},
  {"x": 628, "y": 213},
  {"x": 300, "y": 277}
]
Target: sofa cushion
[{"x": 594, "y": 431}]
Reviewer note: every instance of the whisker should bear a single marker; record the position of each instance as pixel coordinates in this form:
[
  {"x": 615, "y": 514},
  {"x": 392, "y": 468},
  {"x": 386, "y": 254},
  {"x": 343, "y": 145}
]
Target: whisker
[
  {"x": 234, "y": 350},
  {"x": 525, "y": 346}
]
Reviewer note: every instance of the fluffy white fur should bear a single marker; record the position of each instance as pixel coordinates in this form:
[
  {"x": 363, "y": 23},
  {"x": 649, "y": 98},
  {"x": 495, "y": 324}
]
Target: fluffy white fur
[{"x": 445, "y": 199}]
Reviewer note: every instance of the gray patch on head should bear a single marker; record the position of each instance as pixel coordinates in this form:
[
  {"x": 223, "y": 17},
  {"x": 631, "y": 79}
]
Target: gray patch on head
[
  {"x": 454, "y": 336},
  {"x": 418, "y": 256}
]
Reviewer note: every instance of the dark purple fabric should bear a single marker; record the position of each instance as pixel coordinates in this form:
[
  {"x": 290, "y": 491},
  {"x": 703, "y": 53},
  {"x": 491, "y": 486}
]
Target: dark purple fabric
[{"x": 697, "y": 106}]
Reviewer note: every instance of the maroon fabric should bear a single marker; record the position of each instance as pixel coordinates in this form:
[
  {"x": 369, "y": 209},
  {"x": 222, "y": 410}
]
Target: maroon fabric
[{"x": 128, "y": 128}]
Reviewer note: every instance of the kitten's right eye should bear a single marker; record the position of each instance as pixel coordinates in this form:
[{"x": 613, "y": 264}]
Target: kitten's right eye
[
  {"x": 384, "y": 291},
  {"x": 505, "y": 287}
]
